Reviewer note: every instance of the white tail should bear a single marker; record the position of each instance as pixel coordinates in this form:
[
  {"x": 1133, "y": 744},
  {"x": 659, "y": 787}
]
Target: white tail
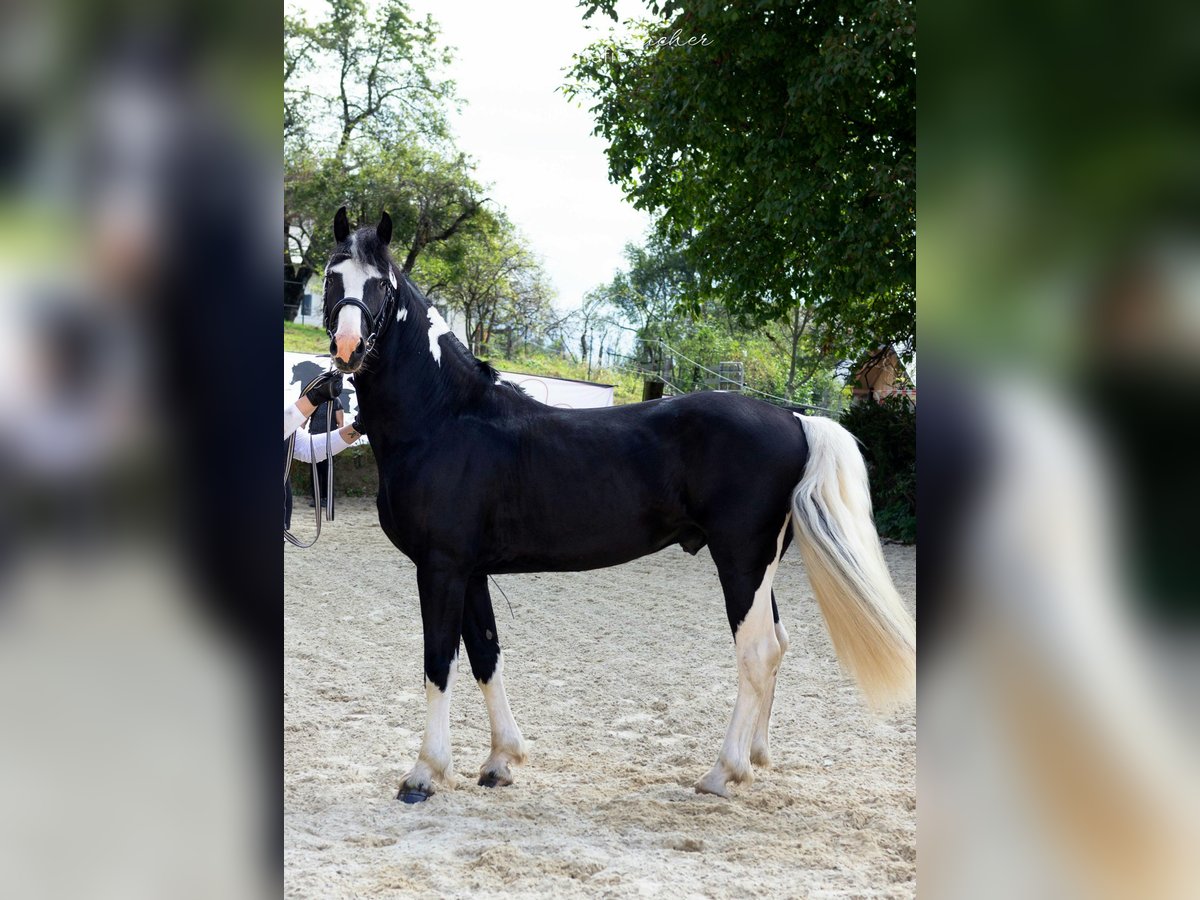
[{"x": 872, "y": 632}]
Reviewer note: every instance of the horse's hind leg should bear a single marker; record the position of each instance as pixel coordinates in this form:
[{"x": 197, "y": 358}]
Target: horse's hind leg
[
  {"x": 746, "y": 580},
  {"x": 442, "y": 593},
  {"x": 487, "y": 663},
  {"x": 760, "y": 751}
]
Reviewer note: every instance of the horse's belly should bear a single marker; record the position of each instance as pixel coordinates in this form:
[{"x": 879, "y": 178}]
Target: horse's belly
[{"x": 561, "y": 545}]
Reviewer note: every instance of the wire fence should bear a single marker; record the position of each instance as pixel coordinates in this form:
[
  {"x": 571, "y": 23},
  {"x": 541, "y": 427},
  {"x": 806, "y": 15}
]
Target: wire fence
[{"x": 771, "y": 398}]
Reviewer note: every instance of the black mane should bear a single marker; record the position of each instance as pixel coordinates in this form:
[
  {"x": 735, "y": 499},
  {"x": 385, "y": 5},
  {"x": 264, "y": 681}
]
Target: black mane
[{"x": 468, "y": 375}]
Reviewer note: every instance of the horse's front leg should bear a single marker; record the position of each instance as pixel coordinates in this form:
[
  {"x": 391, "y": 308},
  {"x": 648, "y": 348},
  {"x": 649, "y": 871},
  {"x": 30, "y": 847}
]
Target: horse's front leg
[
  {"x": 483, "y": 649},
  {"x": 442, "y": 590}
]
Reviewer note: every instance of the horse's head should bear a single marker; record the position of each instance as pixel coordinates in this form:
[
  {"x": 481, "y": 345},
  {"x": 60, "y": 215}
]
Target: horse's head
[{"x": 360, "y": 290}]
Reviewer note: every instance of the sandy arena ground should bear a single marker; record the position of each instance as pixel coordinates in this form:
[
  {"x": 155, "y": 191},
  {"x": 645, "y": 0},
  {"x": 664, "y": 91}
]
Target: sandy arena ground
[{"x": 623, "y": 682}]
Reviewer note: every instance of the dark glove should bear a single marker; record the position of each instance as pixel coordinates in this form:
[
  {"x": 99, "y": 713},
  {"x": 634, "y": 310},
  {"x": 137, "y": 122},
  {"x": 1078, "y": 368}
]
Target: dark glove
[
  {"x": 325, "y": 387},
  {"x": 358, "y": 425}
]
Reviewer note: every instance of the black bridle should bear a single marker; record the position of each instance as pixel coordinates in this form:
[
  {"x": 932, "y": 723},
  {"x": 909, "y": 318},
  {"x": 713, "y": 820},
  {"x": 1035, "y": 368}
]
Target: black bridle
[{"x": 374, "y": 323}]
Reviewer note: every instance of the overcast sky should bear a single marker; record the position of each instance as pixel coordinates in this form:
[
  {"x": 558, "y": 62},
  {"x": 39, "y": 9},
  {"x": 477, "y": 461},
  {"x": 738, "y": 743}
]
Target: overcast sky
[
  {"x": 534, "y": 148},
  {"x": 532, "y": 145}
]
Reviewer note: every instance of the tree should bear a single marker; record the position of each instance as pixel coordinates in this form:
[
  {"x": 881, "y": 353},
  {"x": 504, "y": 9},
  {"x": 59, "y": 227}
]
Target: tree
[
  {"x": 778, "y": 150},
  {"x": 354, "y": 72},
  {"x": 789, "y": 358},
  {"x": 598, "y": 324},
  {"x": 650, "y": 294},
  {"x": 490, "y": 275},
  {"x": 364, "y": 125}
]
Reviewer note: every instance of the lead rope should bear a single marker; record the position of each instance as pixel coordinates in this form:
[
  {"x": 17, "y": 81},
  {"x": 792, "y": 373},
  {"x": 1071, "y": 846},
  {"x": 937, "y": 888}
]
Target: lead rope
[
  {"x": 376, "y": 326},
  {"x": 316, "y": 484}
]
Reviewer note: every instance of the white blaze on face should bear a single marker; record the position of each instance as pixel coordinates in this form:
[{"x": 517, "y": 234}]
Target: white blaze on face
[
  {"x": 437, "y": 327},
  {"x": 355, "y": 275},
  {"x": 349, "y": 331}
]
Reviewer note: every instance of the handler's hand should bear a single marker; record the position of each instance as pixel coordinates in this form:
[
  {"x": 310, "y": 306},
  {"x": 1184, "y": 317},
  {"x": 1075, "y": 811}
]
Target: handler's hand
[{"x": 328, "y": 386}]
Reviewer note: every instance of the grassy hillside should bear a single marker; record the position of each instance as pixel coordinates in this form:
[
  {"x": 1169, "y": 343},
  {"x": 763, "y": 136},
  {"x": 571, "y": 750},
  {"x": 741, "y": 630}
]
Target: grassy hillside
[
  {"x": 627, "y": 387},
  {"x": 304, "y": 338},
  {"x": 310, "y": 339}
]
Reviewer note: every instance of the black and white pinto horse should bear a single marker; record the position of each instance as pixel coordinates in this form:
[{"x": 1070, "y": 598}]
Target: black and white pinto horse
[{"x": 476, "y": 478}]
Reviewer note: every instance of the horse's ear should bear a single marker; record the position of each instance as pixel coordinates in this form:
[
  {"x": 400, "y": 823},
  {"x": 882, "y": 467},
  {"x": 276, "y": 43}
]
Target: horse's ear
[
  {"x": 384, "y": 229},
  {"x": 341, "y": 225}
]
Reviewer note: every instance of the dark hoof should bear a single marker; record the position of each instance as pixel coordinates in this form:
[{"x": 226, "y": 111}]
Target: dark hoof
[
  {"x": 414, "y": 794},
  {"x": 494, "y": 779}
]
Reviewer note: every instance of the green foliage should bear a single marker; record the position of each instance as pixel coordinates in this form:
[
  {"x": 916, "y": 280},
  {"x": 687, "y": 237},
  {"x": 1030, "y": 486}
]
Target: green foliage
[
  {"x": 888, "y": 432},
  {"x": 789, "y": 359},
  {"x": 430, "y": 194},
  {"x": 779, "y": 154},
  {"x": 359, "y": 71},
  {"x": 490, "y": 275}
]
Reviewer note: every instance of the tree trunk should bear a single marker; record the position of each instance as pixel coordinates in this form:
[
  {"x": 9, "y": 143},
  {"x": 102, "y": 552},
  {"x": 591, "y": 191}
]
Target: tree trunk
[
  {"x": 294, "y": 282},
  {"x": 791, "y": 379}
]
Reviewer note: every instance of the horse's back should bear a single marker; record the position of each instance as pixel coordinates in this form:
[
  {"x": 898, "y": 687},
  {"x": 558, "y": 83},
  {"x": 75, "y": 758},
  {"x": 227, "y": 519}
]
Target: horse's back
[{"x": 618, "y": 483}]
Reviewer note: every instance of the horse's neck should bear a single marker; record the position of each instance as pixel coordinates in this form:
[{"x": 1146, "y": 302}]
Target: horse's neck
[{"x": 407, "y": 390}]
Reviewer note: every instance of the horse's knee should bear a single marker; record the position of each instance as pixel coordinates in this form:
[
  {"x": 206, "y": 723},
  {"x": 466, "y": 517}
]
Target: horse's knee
[
  {"x": 781, "y": 635},
  {"x": 758, "y": 660}
]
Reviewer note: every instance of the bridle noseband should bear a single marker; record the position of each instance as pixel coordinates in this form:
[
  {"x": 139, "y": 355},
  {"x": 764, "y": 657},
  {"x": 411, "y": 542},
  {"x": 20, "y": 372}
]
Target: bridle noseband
[{"x": 374, "y": 324}]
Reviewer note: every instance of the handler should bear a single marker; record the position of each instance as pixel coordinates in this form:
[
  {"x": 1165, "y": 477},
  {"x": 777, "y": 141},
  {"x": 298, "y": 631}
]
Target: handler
[{"x": 326, "y": 387}]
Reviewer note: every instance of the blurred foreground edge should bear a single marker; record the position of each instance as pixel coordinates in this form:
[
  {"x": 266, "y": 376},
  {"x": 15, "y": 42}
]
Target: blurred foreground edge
[{"x": 140, "y": 625}]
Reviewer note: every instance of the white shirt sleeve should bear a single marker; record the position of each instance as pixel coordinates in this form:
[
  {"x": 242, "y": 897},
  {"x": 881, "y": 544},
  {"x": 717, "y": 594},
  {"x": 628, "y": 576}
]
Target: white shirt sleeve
[
  {"x": 292, "y": 419},
  {"x": 322, "y": 445}
]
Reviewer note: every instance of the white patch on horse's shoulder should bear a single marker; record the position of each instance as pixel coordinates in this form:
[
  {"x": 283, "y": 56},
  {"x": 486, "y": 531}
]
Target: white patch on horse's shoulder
[
  {"x": 402, "y": 314},
  {"x": 437, "y": 327}
]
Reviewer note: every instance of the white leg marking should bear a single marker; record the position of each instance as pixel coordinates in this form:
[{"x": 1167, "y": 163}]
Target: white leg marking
[
  {"x": 434, "y": 762},
  {"x": 758, "y": 655},
  {"x": 760, "y": 747},
  {"x": 508, "y": 746}
]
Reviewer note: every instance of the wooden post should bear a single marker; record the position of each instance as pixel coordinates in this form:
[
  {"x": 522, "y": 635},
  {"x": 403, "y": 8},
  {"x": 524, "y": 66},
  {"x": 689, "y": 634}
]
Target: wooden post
[{"x": 652, "y": 390}]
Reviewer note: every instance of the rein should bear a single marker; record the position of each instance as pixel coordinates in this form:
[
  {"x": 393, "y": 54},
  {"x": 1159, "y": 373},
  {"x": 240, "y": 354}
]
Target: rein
[
  {"x": 316, "y": 482},
  {"x": 375, "y": 324}
]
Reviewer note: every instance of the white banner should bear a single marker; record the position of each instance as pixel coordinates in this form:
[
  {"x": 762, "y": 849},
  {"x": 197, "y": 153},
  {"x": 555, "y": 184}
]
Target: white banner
[{"x": 565, "y": 393}]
